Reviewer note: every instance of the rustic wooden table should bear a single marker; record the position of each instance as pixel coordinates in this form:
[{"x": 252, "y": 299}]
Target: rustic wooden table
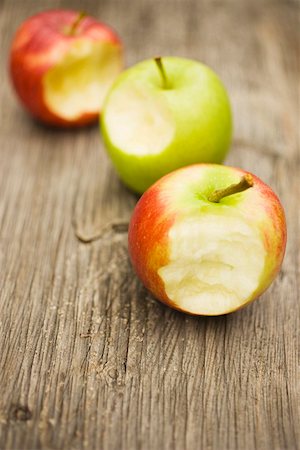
[{"x": 89, "y": 360}]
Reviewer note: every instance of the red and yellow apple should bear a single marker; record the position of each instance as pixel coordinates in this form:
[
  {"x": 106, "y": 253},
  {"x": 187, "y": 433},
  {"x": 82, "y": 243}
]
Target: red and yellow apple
[
  {"x": 62, "y": 64},
  {"x": 207, "y": 239}
]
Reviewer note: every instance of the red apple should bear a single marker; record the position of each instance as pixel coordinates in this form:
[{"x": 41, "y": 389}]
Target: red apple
[
  {"x": 62, "y": 64},
  {"x": 207, "y": 239}
]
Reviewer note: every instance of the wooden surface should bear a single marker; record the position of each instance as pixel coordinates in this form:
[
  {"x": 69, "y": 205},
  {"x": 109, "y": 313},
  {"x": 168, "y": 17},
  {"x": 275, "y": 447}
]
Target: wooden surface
[{"x": 89, "y": 360}]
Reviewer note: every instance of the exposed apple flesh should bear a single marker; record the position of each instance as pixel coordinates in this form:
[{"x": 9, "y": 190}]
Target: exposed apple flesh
[
  {"x": 80, "y": 82},
  {"x": 202, "y": 249},
  {"x": 139, "y": 121},
  {"x": 215, "y": 263}
]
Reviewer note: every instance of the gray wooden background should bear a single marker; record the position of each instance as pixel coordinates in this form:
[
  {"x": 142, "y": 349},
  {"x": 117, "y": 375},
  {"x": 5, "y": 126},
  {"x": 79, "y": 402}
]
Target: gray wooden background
[{"x": 89, "y": 360}]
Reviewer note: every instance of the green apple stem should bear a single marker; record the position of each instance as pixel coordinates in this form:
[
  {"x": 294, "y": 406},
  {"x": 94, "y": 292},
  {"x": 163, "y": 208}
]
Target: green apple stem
[
  {"x": 74, "y": 25},
  {"x": 245, "y": 183},
  {"x": 162, "y": 71}
]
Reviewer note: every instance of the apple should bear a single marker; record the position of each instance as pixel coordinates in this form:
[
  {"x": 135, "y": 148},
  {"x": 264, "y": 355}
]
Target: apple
[
  {"x": 62, "y": 63},
  {"x": 163, "y": 114},
  {"x": 207, "y": 239}
]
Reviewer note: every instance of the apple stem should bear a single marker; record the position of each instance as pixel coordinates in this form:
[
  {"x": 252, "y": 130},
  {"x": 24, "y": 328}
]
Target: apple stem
[
  {"x": 74, "y": 25},
  {"x": 162, "y": 71},
  {"x": 245, "y": 183}
]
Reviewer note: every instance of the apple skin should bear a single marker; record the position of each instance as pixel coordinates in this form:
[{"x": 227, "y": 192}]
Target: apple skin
[
  {"x": 174, "y": 197},
  {"x": 40, "y": 44},
  {"x": 201, "y": 113}
]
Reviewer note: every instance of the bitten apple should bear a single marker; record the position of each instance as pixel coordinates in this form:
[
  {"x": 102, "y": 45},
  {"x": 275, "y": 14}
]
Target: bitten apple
[
  {"x": 62, "y": 64},
  {"x": 162, "y": 114},
  {"x": 207, "y": 239}
]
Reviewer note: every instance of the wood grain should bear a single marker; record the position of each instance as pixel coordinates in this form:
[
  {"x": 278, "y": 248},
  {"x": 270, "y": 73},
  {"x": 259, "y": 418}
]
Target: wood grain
[{"x": 89, "y": 360}]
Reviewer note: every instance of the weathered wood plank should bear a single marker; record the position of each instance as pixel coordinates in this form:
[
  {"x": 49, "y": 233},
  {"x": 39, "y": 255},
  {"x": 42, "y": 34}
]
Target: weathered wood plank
[{"x": 88, "y": 358}]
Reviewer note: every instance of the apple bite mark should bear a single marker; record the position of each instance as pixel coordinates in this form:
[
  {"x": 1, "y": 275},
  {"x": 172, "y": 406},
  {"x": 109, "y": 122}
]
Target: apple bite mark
[
  {"x": 138, "y": 121},
  {"x": 82, "y": 79},
  {"x": 215, "y": 264}
]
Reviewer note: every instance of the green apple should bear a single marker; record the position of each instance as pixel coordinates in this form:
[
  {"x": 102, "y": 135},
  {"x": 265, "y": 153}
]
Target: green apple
[
  {"x": 207, "y": 239},
  {"x": 163, "y": 114}
]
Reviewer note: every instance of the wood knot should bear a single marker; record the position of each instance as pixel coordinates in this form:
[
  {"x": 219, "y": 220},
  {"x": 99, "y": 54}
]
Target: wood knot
[{"x": 20, "y": 413}]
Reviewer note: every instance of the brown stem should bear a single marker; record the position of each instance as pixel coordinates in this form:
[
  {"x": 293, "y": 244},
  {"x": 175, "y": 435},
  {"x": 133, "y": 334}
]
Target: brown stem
[
  {"x": 162, "y": 71},
  {"x": 245, "y": 183},
  {"x": 74, "y": 25}
]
